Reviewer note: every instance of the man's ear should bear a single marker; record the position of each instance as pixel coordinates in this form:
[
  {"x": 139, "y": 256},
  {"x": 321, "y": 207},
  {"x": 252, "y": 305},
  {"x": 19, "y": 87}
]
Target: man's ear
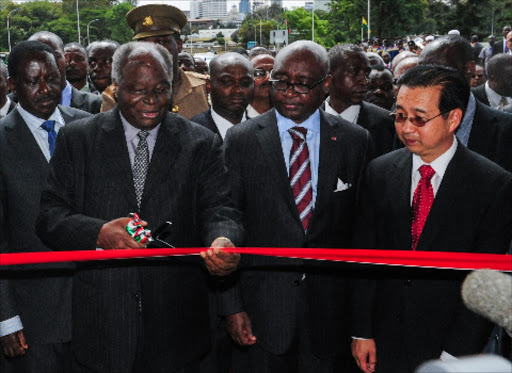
[
  {"x": 115, "y": 87},
  {"x": 327, "y": 84},
  {"x": 454, "y": 119},
  {"x": 469, "y": 69},
  {"x": 11, "y": 85}
]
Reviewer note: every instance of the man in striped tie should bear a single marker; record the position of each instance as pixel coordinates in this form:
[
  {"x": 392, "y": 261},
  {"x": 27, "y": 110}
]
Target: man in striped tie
[{"x": 294, "y": 172}]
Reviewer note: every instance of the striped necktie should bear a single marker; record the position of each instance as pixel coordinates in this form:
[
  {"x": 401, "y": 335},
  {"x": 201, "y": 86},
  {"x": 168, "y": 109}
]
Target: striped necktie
[{"x": 300, "y": 175}]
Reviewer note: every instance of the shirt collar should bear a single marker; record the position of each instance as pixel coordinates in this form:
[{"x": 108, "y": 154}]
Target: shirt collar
[
  {"x": 131, "y": 132},
  {"x": 493, "y": 96},
  {"x": 65, "y": 98},
  {"x": 312, "y": 123},
  {"x": 4, "y": 109},
  {"x": 36, "y": 122},
  {"x": 440, "y": 163}
]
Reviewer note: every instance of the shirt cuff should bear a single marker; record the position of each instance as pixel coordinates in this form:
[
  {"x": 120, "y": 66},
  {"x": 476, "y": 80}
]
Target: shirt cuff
[
  {"x": 10, "y": 326},
  {"x": 445, "y": 356}
]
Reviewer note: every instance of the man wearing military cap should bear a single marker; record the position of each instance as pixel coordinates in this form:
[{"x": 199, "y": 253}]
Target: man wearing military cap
[{"x": 161, "y": 24}]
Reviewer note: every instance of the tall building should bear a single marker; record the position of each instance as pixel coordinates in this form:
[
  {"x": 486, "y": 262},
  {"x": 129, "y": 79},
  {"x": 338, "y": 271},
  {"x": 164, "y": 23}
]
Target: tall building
[
  {"x": 215, "y": 9},
  {"x": 195, "y": 9},
  {"x": 244, "y": 7}
]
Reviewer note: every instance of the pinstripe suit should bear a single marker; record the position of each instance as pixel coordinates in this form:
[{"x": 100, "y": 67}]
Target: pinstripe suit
[
  {"x": 41, "y": 296},
  {"x": 273, "y": 291},
  {"x": 155, "y": 311}
]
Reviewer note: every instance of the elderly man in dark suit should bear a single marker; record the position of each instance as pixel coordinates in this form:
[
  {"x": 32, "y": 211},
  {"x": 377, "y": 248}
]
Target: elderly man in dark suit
[
  {"x": 433, "y": 195},
  {"x": 295, "y": 173},
  {"x": 142, "y": 315},
  {"x": 70, "y": 95},
  {"x": 484, "y": 130},
  {"x": 35, "y": 311},
  {"x": 232, "y": 89},
  {"x": 350, "y": 69}
]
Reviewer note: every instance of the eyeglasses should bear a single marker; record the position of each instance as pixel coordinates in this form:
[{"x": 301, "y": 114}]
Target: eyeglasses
[
  {"x": 303, "y": 89},
  {"x": 260, "y": 73},
  {"x": 416, "y": 121}
]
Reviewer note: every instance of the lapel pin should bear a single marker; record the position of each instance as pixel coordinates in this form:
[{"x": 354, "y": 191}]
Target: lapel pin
[{"x": 333, "y": 138}]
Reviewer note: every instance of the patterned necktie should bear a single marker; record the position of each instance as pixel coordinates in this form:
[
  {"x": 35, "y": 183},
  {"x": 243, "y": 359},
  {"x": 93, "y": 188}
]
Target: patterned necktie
[
  {"x": 300, "y": 175},
  {"x": 49, "y": 126},
  {"x": 140, "y": 165},
  {"x": 421, "y": 203}
]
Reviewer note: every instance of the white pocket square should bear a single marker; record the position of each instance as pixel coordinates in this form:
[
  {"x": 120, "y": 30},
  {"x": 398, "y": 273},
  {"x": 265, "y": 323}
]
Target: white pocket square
[{"x": 341, "y": 186}]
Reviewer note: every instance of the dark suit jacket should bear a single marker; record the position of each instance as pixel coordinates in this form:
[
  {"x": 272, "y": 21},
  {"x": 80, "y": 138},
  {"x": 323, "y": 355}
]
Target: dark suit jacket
[
  {"x": 480, "y": 94},
  {"x": 271, "y": 288},
  {"x": 42, "y": 299},
  {"x": 91, "y": 183},
  {"x": 380, "y": 125},
  {"x": 85, "y": 101},
  {"x": 205, "y": 119},
  {"x": 491, "y": 135},
  {"x": 418, "y": 313},
  {"x": 498, "y": 47}
]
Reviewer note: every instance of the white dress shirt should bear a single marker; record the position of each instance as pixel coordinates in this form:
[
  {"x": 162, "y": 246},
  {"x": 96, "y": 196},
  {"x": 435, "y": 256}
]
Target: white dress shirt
[{"x": 350, "y": 114}]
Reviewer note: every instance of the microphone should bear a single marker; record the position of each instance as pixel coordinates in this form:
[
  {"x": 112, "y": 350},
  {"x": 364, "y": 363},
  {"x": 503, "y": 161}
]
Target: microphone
[{"x": 489, "y": 294}]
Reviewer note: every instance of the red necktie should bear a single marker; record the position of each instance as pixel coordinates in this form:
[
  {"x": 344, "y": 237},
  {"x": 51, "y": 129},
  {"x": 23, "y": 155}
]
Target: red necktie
[
  {"x": 421, "y": 203},
  {"x": 300, "y": 175}
]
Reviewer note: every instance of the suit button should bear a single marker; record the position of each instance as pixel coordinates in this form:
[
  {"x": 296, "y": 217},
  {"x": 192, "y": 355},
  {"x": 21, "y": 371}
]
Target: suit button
[{"x": 408, "y": 283}]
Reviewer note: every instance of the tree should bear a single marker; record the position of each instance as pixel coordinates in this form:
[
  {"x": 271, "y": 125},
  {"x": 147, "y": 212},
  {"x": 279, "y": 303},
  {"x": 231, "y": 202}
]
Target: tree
[{"x": 116, "y": 22}]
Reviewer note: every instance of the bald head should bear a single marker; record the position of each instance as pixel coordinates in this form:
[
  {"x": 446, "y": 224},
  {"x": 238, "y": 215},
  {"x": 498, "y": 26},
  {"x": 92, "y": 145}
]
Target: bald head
[
  {"x": 499, "y": 74},
  {"x": 229, "y": 59},
  {"x": 399, "y": 57},
  {"x": 313, "y": 49},
  {"x": 450, "y": 51}
]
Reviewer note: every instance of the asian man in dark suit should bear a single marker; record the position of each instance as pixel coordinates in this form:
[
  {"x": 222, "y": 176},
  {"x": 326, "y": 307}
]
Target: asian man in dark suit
[
  {"x": 484, "y": 130},
  {"x": 140, "y": 315},
  {"x": 295, "y": 172},
  {"x": 35, "y": 311},
  {"x": 433, "y": 195},
  {"x": 350, "y": 69}
]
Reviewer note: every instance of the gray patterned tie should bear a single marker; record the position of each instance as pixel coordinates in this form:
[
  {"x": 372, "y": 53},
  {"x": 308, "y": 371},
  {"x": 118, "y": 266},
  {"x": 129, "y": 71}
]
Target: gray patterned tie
[{"x": 140, "y": 165}]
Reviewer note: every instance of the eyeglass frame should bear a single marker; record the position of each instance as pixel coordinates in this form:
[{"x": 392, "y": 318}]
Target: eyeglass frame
[
  {"x": 413, "y": 119},
  {"x": 267, "y": 73},
  {"x": 288, "y": 84}
]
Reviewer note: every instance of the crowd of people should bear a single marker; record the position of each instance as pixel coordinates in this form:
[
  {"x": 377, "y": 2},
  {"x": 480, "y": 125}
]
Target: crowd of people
[{"x": 390, "y": 148}]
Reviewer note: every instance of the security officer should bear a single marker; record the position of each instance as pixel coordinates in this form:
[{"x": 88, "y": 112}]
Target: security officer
[{"x": 162, "y": 24}]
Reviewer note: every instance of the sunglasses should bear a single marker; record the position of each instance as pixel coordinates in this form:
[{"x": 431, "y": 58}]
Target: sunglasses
[{"x": 416, "y": 121}]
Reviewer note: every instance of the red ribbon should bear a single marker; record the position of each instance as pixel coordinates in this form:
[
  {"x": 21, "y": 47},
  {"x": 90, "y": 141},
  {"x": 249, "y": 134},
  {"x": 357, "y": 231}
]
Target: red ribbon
[{"x": 424, "y": 259}]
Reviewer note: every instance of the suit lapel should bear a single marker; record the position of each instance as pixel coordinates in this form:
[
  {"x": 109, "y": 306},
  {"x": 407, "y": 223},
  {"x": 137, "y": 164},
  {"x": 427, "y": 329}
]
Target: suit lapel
[
  {"x": 23, "y": 142},
  {"x": 332, "y": 162},
  {"x": 400, "y": 177},
  {"x": 270, "y": 145},
  {"x": 113, "y": 142},
  {"x": 167, "y": 148}
]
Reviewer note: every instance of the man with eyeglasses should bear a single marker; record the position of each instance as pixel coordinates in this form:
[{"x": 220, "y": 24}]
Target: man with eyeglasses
[
  {"x": 231, "y": 90},
  {"x": 432, "y": 195},
  {"x": 261, "y": 102},
  {"x": 295, "y": 173}
]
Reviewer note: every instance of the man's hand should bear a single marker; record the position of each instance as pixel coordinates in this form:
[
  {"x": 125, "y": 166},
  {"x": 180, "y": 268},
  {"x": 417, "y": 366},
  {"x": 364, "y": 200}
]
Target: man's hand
[
  {"x": 239, "y": 328},
  {"x": 14, "y": 344},
  {"x": 113, "y": 235},
  {"x": 218, "y": 261},
  {"x": 365, "y": 353}
]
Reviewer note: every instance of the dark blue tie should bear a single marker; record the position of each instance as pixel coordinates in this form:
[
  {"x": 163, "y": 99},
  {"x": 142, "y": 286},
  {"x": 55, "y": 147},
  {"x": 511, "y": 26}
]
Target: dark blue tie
[{"x": 52, "y": 135}]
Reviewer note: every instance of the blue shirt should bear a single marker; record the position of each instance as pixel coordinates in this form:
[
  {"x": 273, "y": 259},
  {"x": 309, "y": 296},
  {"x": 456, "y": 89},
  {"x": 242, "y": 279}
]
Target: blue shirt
[
  {"x": 65, "y": 98},
  {"x": 466, "y": 124},
  {"x": 312, "y": 124}
]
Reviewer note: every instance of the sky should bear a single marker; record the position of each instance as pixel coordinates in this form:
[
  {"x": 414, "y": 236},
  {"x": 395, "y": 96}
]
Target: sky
[{"x": 185, "y": 4}]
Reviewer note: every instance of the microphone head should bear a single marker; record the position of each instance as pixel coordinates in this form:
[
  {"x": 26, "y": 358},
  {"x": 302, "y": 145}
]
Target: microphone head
[{"x": 489, "y": 293}]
